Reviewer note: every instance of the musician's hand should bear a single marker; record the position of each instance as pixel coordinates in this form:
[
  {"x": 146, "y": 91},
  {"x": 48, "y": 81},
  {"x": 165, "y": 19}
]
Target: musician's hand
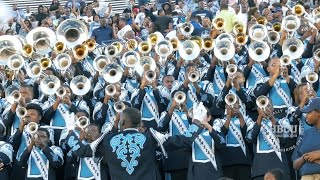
[
  {"x": 22, "y": 102},
  {"x": 1, "y": 166},
  {"x": 261, "y": 113},
  {"x": 205, "y": 124},
  {"x": 82, "y": 135},
  {"x": 144, "y": 82},
  {"x": 180, "y": 62},
  {"x": 67, "y": 101},
  {"x": 22, "y": 124},
  {"x": 186, "y": 82},
  {"x": 106, "y": 99},
  {"x": 312, "y": 156}
]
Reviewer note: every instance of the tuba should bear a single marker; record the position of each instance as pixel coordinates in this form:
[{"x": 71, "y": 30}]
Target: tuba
[
  {"x": 258, "y": 32},
  {"x": 262, "y": 102},
  {"x": 21, "y": 112},
  {"x": 230, "y": 99},
  {"x": 9, "y": 45},
  {"x": 62, "y": 61},
  {"x": 32, "y": 128},
  {"x": 49, "y": 84},
  {"x": 225, "y": 36},
  {"x": 42, "y": 39},
  {"x": 72, "y": 32},
  {"x": 80, "y": 51},
  {"x": 100, "y": 63},
  {"x": 110, "y": 90},
  {"x": 59, "y": 47},
  {"x": 80, "y": 85},
  {"x": 155, "y": 38},
  {"x": 45, "y": 63},
  {"x": 119, "y": 106},
  {"x": 150, "y": 76},
  {"x": 219, "y": 23},
  {"x": 82, "y": 122},
  {"x": 208, "y": 44},
  {"x": 186, "y": 29},
  {"x": 180, "y": 97},
  {"x": 193, "y": 76},
  {"x": 259, "y": 51},
  {"x": 316, "y": 54},
  {"x": 130, "y": 59},
  {"x": 15, "y": 62},
  {"x": 144, "y": 47},
  {"x": 12, "y": 94},
  {"x": 111, "y": 51},
  {"x": 224, "y": 50},
  {"x": 131, "y": 44},
  {"x": 189, "y": 50},
  {"x": 113, "y": 73},
  {"x": 293, "y": 47},
  {"x": 34, "y": 69},
  {"x": 61, "y": 91},
  {"x": 273, "y": 37}
]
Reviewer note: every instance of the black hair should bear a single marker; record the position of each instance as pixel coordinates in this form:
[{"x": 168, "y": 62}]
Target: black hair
[
  {"x": 97, "y": 125},
  {"x": 189, "y": 65},
  {"x": 133, "y": 115},
  {"x": 160, "y": 11},
  {"x": 279, "y": 174},
  {"x": 223, "y": 6},
  {"x": 45, "y": 130},
  {"x": 83, "y": 111},
  {"x": 27, "y": 86},
  {"x": 167, "y": 75},
  {"x": 35, "y": 107}
]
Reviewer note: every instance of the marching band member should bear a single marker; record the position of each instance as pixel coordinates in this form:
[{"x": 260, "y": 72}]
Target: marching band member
[
  {"x": 267, "y": 154},
  {"x": 6, "y": 152},
  {"x": 40, "y": 158},
  {"x": 253, "y": 72},
  {"x": 166, "y": 86}
]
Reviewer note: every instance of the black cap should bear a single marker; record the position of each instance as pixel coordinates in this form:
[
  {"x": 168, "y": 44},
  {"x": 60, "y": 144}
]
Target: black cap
[{"x": 314, "y": 104}]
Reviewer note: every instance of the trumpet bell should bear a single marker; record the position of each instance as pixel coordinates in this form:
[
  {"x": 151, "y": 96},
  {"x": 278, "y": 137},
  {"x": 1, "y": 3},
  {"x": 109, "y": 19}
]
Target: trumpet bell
[
  {"x": 62, "y": 62},
  {"x": 119, "y": 106},
  {"x": 144, "y": 47},
  {"x": 113, "y": 73},
  {"x": 285, "y": 60},
  {"x": 239, "y": 27},
  {"x": 9, "y": 45},
  {"x": 32, "y": 128},
  {"x": 293, "y": 47},
  {"x": 82, "y": 122},
  {"x": 208, "y": 44},
  {"x": 91, "y": 44},
  {"x": 291, "y": 23},
  {"x": 231, "y": 69},
  {"x": 316, "y": 54},
  {"x": 262, "y": 20},
  {"x": 186, "y": 29},
  {"x": 15, "y": 62},
  {"x": 189, "y": 50},
  {"x": 12, "y": 94},
  {"x": 241, "y": 39},
  {"x": 80, "y": 51},
  {"x": 180, "y": 97},
  {"x": 258, "y": 32},
  {"x": 61, "y": 91},
  {"x": 164, "y": 48},
  {"x": 145, "y": 63},
  {"x": 198, "y": 40},
  {"x": 273, "y": 37},
  {"x": 110, "y": 90},
  {"x": 34, "y": 69},
  {"x": 277, "y": 27},
  {"x": 224, "y": 50},
  {"x": 131, "y": 45},
  {"x": 118, "y": 45},
  {"x": 175, "y": 43},
  {"x": 59, "y": 47},
  {"x": 45, "y": 63},
  {"x": 259, "y": 51},
  {"x": 72, "y": 32},
  {"x": 219, "y": 23},
  {"x": 100, "y": 63},
  {"x": 150, "y": 75},
  {"x": 194, "y": 76},
  {"x": 80, "y": 85},
  {"x": 298, "y": 10},
  {"x": 21, "y": 112},
  {"x": 27, "y": 50},
  {"x": 155, "y": 38},
  {"x": 225, "y": 36},
  {"x": 49, "y": 85},
  {"x": 262, "y": 102},
  {"x": 312, "y": 77},
  {"x": 111, "y": 51},
  {"x": 230, "y": 99},
  {"x": 42, "y": 39},
  {"x": 130, "y": 59}
]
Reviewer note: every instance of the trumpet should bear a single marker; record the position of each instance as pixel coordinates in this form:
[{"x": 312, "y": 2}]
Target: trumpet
[
  {"x": 262, "y": 20},
  {"x": 12, "y": 94},
  {"x": 150, "y": 76},
  {"x": 219, "y": 23},
  {"x": 32, "y": 128},
  {"x": 61, "y": 91},
  {"x": 80, "y": 51},
  {"x": 155, "y": 38},
  {"x": 49, "y": 84},
  {"x": 62, "y": 61},
  {"x": 231, "y": 70},
  {"x": 119, "y": 106},
  {"x": 111, "y": 51},
  {"x": 110, "y": 90},
  {"x": 193, "y": 76},
  {"x": 59, "y": 47},
  {"x": 273, "y": 37},
  {"x": 91, "y": 44},
  {"x": 241, "y": 39},
  {"x": 27, "y": 50},
  {"x": 21, "y": 112},
  {"x": 293, "y": 47},
  {"x": 262, "y": 102},
  {"x": 224, "y": 50},
  {"x": 285, "y": 60},
  {"x": 186, "y": 29},
  {"x": 180, "y": 97},
  {"x": 82, "y": 122},
  {"x": 312, "y": 77},
  {"x": 34, "y": 69},
  {"x": 113, "y": 73},
  {"x": 175, "y": 43},
  {"x": 131, "y": 45},
  {"x": 230, "y": 99},
  {"x": 45, "y": 63},
  {"x": 208, "y": 44},
  {"x": 144, "y": 47},
  {"x": 80, "y": 85},
  {"x": 15, "y": 62},
  {"x": 316, "y": 54},
  {"x": 276, "y": 27},
  {"x": 298, "y": 10},
  {"x": 259, "y": 51},
  {"x": 100, "y": 63},
  {"x": 189, "y": 50}
]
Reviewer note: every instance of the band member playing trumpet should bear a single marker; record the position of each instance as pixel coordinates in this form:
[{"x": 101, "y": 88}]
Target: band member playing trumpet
[{"x": 267, "y": 154}]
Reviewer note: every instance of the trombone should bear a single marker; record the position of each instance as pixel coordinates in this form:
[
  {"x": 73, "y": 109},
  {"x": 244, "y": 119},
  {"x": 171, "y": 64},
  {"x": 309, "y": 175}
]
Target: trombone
[
  {"x": 175, "y": 43},
  {"x": 277, "y": 27},
  {"x": 21, "y": 112},
  {"x": 241, "y": 39},
  {"x": 131, "y": 44},
  {"x": 298, "y": 10},
  {"x": 262, "y": 20},
  {"x": 100, "y": 63},
  {"x": 155, "y": 38},
  {"x": 198, "y": 40},
  {"x": 45, "y": 63},
  {"x": 239, "y": 28},
  {"x": 80, "y": 85},
  {"x": 91, "y": 44},
  {"x": 118, "y": 45},
  {"x": 230, "y": 99},
  {"x": 208, "y": 44},
  {"x": 219, "y": 23},
  {"x": 32, "y": 128},
  {"x": 80, "y": 51},
  {"x": 144, "y": 47},
  {"x": 113, "y": 73},
  {"x": 59, "y": 47},
  {"x": 311, "y": 78},
  {"x": 259, "y": 51},
  {"x": 262, "y": 102},
  {"x": 27, "y": 50},
  {"x": 49, "y": 84}
]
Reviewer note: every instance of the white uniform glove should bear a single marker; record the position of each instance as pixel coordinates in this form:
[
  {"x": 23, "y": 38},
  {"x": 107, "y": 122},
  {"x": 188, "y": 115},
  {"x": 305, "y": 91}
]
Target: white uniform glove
[{"x": 199, "y": 112}]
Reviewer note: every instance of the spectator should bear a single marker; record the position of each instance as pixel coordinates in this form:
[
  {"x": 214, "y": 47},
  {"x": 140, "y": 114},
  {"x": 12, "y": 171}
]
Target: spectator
[
  {"x": 202, "y": 12},
  {"x": 276, "y": 174},
  {"x": 103, "y": 33},
  {"x": 229, "y": 18},
  {"x": 165, "y": 22},
  {"x": 41, "y": 15},
  {"x": 26, "y": 27},
  {"x": 54, "y": 5}
]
